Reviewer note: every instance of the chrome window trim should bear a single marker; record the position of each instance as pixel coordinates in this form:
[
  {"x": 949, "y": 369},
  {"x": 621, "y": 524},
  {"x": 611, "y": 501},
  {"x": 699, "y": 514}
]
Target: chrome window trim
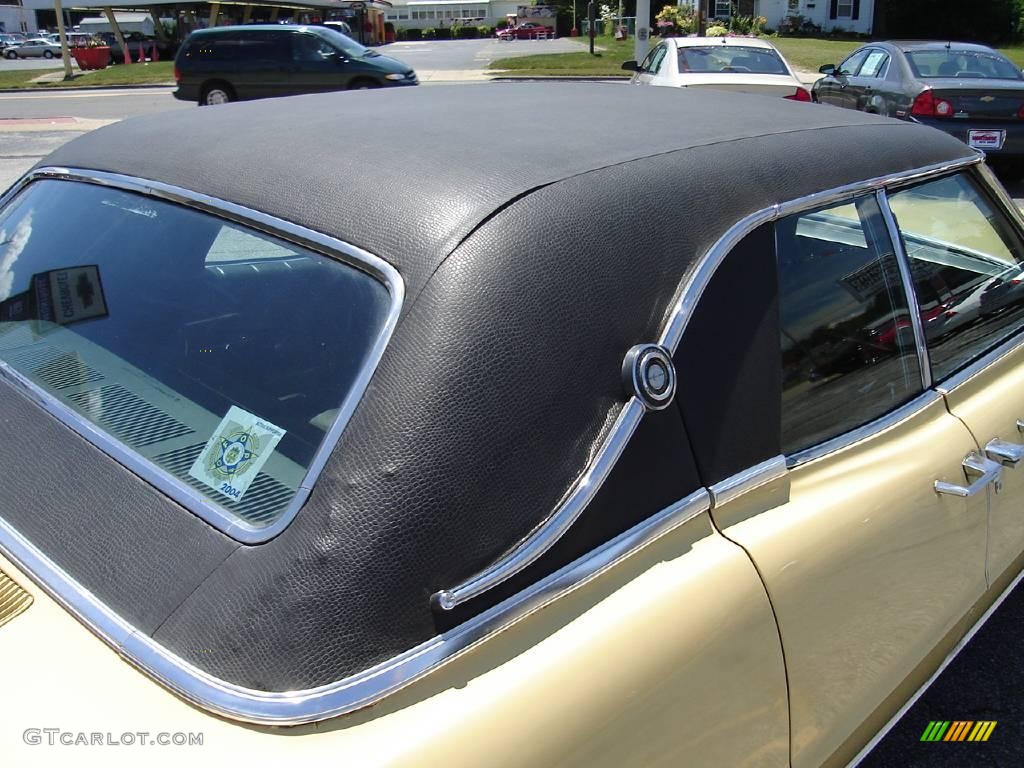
[
  {"x": 685, "y": 301},
  {"x": 359, "y": 690},
  {"x": 920, "y": 341},
  {"x": 748, "y": 480},
  {"x": 871, "y": 428},
  {"x": 193, "y": 500}
]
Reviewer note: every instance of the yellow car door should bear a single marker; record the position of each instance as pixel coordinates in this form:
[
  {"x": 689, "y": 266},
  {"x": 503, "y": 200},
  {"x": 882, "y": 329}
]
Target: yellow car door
[
  {"x": 870, "y": 570},
  {"x": 963, "y": 240}
]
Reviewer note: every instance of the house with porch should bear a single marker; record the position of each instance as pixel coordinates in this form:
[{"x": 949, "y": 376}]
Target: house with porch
[{"x": 847, "y": 15}]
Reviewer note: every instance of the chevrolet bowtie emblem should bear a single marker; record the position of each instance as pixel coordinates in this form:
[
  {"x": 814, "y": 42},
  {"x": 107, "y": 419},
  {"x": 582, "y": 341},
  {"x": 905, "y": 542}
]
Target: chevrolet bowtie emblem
[{"x": 987, "y": 99}]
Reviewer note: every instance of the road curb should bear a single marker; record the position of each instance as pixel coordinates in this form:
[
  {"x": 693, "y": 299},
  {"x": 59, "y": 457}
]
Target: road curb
[{"x": 134, "y": 86}]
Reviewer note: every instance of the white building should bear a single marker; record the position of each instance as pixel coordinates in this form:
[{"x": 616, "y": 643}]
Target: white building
[
  {"x": 420, "y": 14},
  {"x": 16, "y": 18},
  {"x": 849, "y": 15}
]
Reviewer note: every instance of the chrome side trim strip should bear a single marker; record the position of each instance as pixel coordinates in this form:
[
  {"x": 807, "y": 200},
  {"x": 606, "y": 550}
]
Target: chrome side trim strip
[
  {"x": 686, "y": 299},
  {"x": 195, "y": 501},
  {"x": 357, "y": 691},
  {"x": 935, "y": 675},
  {"x": 733, "y": 487},
  {"x": 950, "y": 383},
  {"x": 552, "y": 529},
  {"x": 864, "y": 431},
  {"x": 920, "y": 341}
]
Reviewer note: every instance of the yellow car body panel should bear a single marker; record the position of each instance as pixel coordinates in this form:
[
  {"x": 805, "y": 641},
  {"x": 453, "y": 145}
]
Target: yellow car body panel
[
  {"x": 669, "y": 658},
  {"x": 990, "y": 403},
  {"x": 867, "y": 568}
]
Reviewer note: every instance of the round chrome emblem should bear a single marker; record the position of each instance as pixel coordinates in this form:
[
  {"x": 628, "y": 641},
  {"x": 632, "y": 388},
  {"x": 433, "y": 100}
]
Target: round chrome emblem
[{"x": 648, "y": 373}]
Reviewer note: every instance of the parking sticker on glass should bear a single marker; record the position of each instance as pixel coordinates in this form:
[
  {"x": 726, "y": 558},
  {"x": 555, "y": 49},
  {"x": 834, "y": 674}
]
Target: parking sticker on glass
[{"x": 235, "y": 454}]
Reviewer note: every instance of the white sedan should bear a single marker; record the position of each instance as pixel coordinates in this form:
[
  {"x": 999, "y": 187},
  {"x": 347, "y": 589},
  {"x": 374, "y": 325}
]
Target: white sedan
[
  {"x": 747, "y": 64},
  {"x": 37, "y": 46}
]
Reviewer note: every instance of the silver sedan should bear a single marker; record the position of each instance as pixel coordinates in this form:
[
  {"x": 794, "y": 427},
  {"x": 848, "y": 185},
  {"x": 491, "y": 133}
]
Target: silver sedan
[{"x": 34, "y": 47}]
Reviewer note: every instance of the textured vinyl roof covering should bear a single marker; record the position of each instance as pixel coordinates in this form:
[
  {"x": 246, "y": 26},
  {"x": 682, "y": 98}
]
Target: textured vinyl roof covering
[{"x": 408, "y": 173}]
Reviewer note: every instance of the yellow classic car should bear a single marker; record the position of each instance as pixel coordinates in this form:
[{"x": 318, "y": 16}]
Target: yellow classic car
[{"x": 694, "y": 445}]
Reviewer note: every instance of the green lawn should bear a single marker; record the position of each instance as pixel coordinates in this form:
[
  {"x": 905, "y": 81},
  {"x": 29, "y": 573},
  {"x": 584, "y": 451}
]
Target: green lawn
[
  {"x": 131, "y": 74},
  {"x": 804, "y": 53},
  {"x": 605, "y": 62}
]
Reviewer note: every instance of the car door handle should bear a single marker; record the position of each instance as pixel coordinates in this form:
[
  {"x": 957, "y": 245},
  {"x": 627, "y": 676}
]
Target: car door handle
[
  {"x": 983, "y": 471},
  {"x": 1006, "y": 453}
]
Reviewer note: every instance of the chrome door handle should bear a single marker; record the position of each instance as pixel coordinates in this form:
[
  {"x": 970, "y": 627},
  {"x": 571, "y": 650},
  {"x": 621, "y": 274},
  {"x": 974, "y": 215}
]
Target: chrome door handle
[
  {"x": 1006, "y": 453},
  {"x": 985, "y": 471}
]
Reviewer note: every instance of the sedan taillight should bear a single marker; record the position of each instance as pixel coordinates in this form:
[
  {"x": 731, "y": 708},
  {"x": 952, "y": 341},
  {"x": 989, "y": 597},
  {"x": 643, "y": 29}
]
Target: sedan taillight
[
  {"x": 926, "y": 105},
  {"x": 1020, "y": 112},
  {"x": 177, "y": 74},
  {"x": 800, "y": 94}
]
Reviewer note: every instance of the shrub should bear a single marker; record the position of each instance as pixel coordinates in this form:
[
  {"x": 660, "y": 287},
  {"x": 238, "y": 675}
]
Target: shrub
[
  {"x": 401, "y": 33},
  {"x": 717, "y": 30},
  {"x": 675, "y": 20},
  {"x": 429, "y": 33},
  {"x": 484, "y": 31},
  {"x": 413, "y": 33}
]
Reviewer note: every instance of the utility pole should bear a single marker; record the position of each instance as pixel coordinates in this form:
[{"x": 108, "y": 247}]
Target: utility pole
[
  {"x": 65, "y": 55},
  {"x": 643, "y": 29}
]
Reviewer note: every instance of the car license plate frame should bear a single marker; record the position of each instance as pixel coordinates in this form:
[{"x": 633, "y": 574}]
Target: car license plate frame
[{"x": 983, "y": 139}]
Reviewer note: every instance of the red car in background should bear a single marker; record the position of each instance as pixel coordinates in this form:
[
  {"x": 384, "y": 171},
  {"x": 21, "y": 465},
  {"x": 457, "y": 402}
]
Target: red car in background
[{"x": 528, "y": 31}]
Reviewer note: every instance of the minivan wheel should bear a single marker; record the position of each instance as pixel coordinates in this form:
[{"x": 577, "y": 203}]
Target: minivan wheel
[
  {"x": 362, "y": 84},
  {"x": 216, "y": 93}
]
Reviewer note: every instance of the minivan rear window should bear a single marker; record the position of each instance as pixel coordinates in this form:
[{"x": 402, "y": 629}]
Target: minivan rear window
[{"x": 219, "y": 355}]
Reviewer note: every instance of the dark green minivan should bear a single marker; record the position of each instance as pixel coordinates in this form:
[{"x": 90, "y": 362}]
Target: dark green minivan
[{"x": 223, "y": 64}]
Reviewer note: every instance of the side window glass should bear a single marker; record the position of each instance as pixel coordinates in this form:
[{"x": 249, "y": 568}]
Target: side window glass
[
  {"x": 653, "y": 63},
  {"x": 875, "y": 64},
  {"x": 311, "y": 48},
  {"x": 645, "y": 66},
  {"x": 852, "y": 64},
  {"x": 965, "y": 258},
  {"x": 848, "y": 353}
]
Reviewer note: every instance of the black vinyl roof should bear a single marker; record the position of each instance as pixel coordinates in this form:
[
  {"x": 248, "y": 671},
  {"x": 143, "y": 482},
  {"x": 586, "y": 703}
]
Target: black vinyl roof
[
  {"x": 408, "y": 173},
  {"x": 542, "y": 230}
]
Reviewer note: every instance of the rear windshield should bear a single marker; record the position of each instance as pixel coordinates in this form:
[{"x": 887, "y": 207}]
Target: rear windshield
[
  {"x": 220, "y": 355},
  {"x": 953, "y": 63},
  {"x": 731, "y": 58}
]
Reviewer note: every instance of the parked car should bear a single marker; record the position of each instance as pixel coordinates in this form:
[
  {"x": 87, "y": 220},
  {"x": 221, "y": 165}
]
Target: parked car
[
  {"x": 355, "y": 456},
  {"x": 969, "y": 91},
  {"x": 34, "y": 47},
  {"x": 215, "y": 66},
  {"x": 745, "y": 64},
  {"x": 528, "y": 30}
]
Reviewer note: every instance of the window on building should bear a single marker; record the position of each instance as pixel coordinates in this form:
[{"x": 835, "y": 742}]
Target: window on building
[
  {"x": 723, "y": 8},
  {"x": 844, "y": 10}
]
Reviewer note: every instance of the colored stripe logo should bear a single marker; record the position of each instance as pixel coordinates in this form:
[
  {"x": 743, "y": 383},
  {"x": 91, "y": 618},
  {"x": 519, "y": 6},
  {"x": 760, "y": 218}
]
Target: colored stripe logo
[{"x": 958, "y": 730}]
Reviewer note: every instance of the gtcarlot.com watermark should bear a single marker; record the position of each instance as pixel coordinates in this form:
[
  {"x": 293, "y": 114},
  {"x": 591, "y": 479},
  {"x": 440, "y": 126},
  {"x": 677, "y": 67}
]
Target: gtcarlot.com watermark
[{"x": 56, "y": 737}]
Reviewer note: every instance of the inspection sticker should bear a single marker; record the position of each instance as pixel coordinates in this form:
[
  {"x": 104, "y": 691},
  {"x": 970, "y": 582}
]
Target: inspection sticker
[{"x": 235, "y": 454}]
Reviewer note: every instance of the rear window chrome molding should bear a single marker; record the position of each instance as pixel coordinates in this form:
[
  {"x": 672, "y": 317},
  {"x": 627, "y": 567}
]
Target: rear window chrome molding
[
  {"x": 359, "y": 690},
  {"x": 198, "y": 503},
  {"x": 682, "y": 307}
]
